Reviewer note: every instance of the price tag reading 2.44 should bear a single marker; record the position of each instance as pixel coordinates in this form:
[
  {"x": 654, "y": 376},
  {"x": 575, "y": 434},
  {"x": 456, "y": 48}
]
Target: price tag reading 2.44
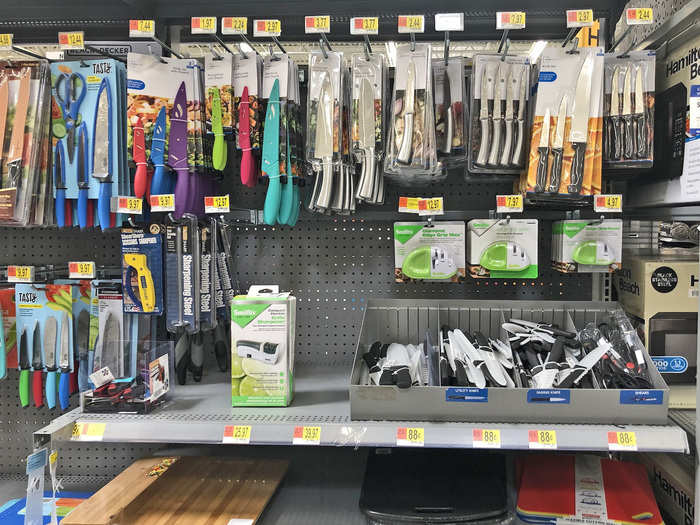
[{"x": 411, "y": 24}]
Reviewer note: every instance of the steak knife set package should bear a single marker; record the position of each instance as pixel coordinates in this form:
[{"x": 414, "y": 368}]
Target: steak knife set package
[
  {"x": 247, "y": 89},
  {"x": 565, "y": 155},
  {"x": 450, "y": 123},
  {"x": 628, "y": 136},
  {"x": 498, "y": 130}
]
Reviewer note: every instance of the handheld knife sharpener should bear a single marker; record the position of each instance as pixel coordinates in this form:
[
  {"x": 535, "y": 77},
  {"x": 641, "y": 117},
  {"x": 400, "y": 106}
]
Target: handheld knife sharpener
[{"x": 138, "y": 262}]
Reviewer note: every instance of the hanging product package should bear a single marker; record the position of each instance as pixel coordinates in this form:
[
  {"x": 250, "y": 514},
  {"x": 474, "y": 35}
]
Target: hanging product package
[
  {"x": 221, "y": 116},
  {"x": 587, "y": 246},
  {"x": 110, "y": 345},
  {"x": 142, "y": 271},
  {"x": 502, "y": 248},
  {"x": 247, "y": 87},
  {"x": 182, "y": 274},
  {"x": 81, "y": 327},
  {"x": 411, "y": 150},
  {"x": 432, "y": 252},
  {"x": 628, "y": 136},
  {"x": 565, "y": 155},
  {"x": 498, "y": 131},
  {"x": 450, "y": 121}
]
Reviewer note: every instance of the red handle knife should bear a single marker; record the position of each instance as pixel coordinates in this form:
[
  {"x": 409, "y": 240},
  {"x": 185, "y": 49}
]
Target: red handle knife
[{"x": 141, "y": 176}]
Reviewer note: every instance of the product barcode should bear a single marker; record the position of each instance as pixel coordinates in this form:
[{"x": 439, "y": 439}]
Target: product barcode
[{"x": 694, "y": 293}]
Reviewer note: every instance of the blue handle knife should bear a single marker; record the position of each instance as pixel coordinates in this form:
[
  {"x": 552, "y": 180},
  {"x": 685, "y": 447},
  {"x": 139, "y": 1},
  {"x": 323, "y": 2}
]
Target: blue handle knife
[
  {"x": 271, "y": 154},
  {"x": 102, "y": 151},
  {"x": 160, "y": 184},
  {"x": 83, "y": 176},
  {"x": 59, "y": 178}
]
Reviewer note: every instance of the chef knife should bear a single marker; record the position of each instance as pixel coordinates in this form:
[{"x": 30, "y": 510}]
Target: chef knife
[
  {"x": 406, "y": 148},
  {"x": 102, "y": 168},
  {"x": 497, "y": 116},
  {"x": 64, "y": 363},
  {"x": 14, "y": 155},
  {"x": 628, "y": 128},
  {"x": 615, "y": 137},
  {"x": 558, "y": 148},
  {"x": 484, "y": 116},
  {"x": 543, "y": 154},
  {"x": 640, "y": 115},
  {"x": 38, "y": 372},
  {"x": 83, "y": 176},
  {"x": 367, "y": 140},
  {"x": 59, "y": 178},
  {"x": 578, "y": 134},
  {"x": 219, "y": 150},
  {"x": 323, "y": 148},
  {"x": 271, "y": 156},
  {"x": 177, "y": 149},
  {"x": 518, "y": 150},
  {"x": 83, "y": 346},
  {"x": 159, "y": 184},
  {"x": 447, "y": 108},
  {"x": 139, "y": 153},
  {"x": 247, "y": 171},
  {"x": 50, "y": 331},
  {"x": 4, "y": 101},
  {"x": 24, "y": 368},
  {"x": 508, "y": 144},
  {"x": 112, "y": 349}
]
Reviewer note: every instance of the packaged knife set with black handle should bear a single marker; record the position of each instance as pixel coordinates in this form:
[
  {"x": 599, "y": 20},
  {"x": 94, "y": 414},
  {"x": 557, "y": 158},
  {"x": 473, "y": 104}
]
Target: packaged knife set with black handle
[
  {"x": 221, "y": 117},
  {"x": 565, "y": 153},
  {"x": 628, "y": 135},
  {"x": 411, "y": 155},
  {"x": 88, "y": 147},
  {"x": 247, "y": 91},
  {"x": 450, "y": 122},
  {"x": 498, "y": 132},
  {"x": 25, "y": 115}
]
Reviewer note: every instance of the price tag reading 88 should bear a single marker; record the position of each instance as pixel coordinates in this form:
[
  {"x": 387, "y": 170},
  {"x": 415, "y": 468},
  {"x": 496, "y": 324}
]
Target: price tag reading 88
[
  {"x": 622, "y": 441},
  {"x": 410, "y": 437},
  {"x": 542, "y": 439},
  {"x": 486, "y": 438}
]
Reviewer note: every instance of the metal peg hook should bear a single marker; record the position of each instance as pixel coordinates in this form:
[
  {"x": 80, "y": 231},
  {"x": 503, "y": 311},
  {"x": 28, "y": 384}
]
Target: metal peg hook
[
  {"x": 28, "y": 53},
  {"x": 447, "y": 46},
  {"x": 277, "y": 42},
  {"x": 368, "y": 49},
  {"x": 323, "y": 49},
  {"x": 214, "y": 52},
  {"x": 574, "y": 47},
  {"x": 614, "y": 45},
  {"x": 250, "y": 44},
  {"x": 569, "y": 36},
  {"x": 413, "y": 42},
  {"x": 596, "y": 222},
  {"x": 626, "y": 53},
  {"x": 159, "y": 57},
  {"x": 165, "y": 46},
  {"x": 504, "y": 37},
  {"x": 504, "y": 45},
  {"x": 228, "y": 49}
]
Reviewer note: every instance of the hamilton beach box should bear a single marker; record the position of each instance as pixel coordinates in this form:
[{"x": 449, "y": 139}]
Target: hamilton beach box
[{"x": 407, "y": 321}]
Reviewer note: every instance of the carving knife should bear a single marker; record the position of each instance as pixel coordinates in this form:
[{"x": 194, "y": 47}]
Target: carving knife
[
  {"x": 37, "y": 365},
  {"x": 484, "y": 116},
  {"x": 102, "y": 167},
  {"x": 139, "y": 152},
  {"x": 518, "y": 150},
  {"x": 628, "y": 128},
  {"x": 64, "y": 363},
  {"x": 367, "y": 138},
  {"x": 50, "y": 331},
  {"x": 219, "y": 152},
  {"x": 497, "y": 116},
  {"x": 614, "y": 137},
  {"x": 177, "y": 149},
  {"x": 324, "y": 142},
  {"x": 508, "y": 144},
  {"x": 24, "y": 368},
  {"x": 578, "y": 134},
  {"x": 406, "y": 149},
  {"x": 83, "y": 176},
  {"x": 543, "y": 154},
  {"x": 558, "y": 148},
  {"x": 447, "y": 105},
  {"x": 14, "y": 155},
  {"x": 159, "y": 183},
  {"x": 247, "y": 171},
  {"x": 640, "y": 115},
  {"x": 4, "y": 101},
  {"x": 59, "y": 178},
  {"x": 271, "y": 156}
]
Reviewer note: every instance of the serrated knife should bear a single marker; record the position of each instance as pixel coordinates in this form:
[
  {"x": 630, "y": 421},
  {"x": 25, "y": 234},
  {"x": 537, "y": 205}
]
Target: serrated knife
[
  {"x": 177, "y": 150},
  {"x": 102, "y": 166},
  {"x": 159, "y": 183},
  {"x": 508, "y": 141},
  {"x": 83, "y": 176},
  {"x": 518, "y": 150},
  {"x": 578, "y": 134},
  {"x": 139, "y": 154},
  {"x": 614, "y": 137},
  {"x": 406, "y": 148},
  {"x": 323, "y": 148},
  {"x": 447, "y": 105},
  {"x": 50, "y": 332},
  {"x": 14, "y": 155},
  {"x": 38, "y": 367},
  {"x": 640, "y": 115},
  {"x": 271, "y": 156},
  {"x": 484, "y": 116},
  {"x": 365, "y": 188},
  {"x": 497, "y": 117},
  {"x": 627, "y": 121},
  {"x": 558, "y": 148},
  {"x": 64, "y": 363}
]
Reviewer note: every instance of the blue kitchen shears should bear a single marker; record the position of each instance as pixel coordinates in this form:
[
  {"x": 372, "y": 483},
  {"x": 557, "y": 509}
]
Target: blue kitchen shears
[{"x": 70, "y": 92}]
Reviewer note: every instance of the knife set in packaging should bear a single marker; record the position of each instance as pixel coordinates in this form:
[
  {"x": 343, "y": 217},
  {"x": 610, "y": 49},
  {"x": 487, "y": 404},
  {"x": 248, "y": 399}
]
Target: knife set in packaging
[
  {"x": 628, "y": 136},
  {"x": 587, "y": 246},
  {"x": 110, "y": 345},
  {"x": 498, "y": 133},
  {"x": 221, "y": 117},
  {"x": 565, "y": 155},
  {"x": 142, "y": 271},
  {"x": 45, "y": 335},
  {"x": 502, "y": 248},
  {"x": 448, "y": 77},
  {"x": 247, "y": 90},
  {"x": 411, "y": 155},
  {"x": 369, "y": 81},
  {"x": 434, "y": 252},
  {"x": 9, "y": 331},
  {"x": 81, "y": 290}
]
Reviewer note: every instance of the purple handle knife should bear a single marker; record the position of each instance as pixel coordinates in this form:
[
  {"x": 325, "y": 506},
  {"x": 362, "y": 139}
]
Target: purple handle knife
[{"x": 177, "y": 150}]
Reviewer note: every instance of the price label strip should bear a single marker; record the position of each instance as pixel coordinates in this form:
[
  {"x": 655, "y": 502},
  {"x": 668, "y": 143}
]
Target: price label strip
[
  {"x": 81, "y": 270},
  {"x": 127, "y": 205},
  {"x": 234, "y": 25},
  {"x": 449, "y": 22},
  {"x": 164, "y": 202},
  {"x": 216, "y": 204},
  {"x": 71, "y": 40},
  {"x": 607, "y": 203},
  {"x": 317, "y": 24},
  {"x": 509, "y": 203},
  {"x": 639, "y": 16},
  {"x": 203, "y": 25},
  {"x": 621, "y": 441},
  {"x": 237, "y": 434},
  {"x": 542, "y": 439},
  {"x": 408, "y": 204},
  {"x": 579, "y": 18},
  {"x": 433, "y": 206},
  {"x": 411, "y": 24},
  {"x": 365, "y": 25},
  {"x": 486, "y": 438},
  {"x": 142, "y": 28},
  {"x": 6, "y": 41},
  {"x": 88, "y": 431},
  {"x": 20, "y": 274},
  {"x": 306, "y": 436},
  {"x": 410, "y": 437},
  {"x": 267, "y": 28},
  {"x": 510, "y": 20}
]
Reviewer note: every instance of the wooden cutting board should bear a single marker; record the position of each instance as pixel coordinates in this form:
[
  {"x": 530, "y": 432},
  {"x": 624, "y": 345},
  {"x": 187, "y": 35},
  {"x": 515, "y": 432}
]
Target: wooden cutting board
[{"x": 192, "y": 491}]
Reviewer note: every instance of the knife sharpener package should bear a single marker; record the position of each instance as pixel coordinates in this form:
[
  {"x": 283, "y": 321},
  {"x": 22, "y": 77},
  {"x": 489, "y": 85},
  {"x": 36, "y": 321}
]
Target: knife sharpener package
[
  {"x": 411, "y": 155},
  {"x": 208, "y": 281},
  {"x": 262, "y": 347},
  {"x": 45, "y": 328},
  {"x": 585, "y": 246},
  {"x": 142, "y": 271},
  {"x": 450, "y": 122},
  {"x": 432, "y": 252},
  {"x": 369, "y": 81},
  {"x": 221, "y": 116},
  {"x": 81, "y": 327},
  {"x": 567, "y": 158},
  {"x": 110, "y": 345},
  {"x": 182, "y": 274},
  {"x": 498, "y": 129},
  {"x": 628, "y": 137},
  {"x": 9, "y": 330},
  {"x": 247, "y": 90},
  {"x": 502, "y": 248}
]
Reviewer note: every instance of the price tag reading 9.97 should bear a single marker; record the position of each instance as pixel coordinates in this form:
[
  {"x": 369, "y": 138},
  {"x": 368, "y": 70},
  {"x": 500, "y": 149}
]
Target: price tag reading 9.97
[
  {"x": 20, "y": 274},
  {"x": 81, "y": 270}
]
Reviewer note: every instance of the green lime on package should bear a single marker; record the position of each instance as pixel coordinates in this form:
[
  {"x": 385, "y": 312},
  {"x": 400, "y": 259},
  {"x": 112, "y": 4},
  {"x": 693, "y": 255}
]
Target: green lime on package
[
  {"x": 587, "y": 246},
  {"x": 262, "y": 347},
  {"x": 142, "y": 272},
  {"x": 431, "y": 251},
  {"x": 503, "y": 248}
]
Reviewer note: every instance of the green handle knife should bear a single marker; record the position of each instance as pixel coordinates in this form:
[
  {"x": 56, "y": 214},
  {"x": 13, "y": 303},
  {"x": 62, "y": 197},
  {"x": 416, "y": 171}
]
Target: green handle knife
[{"x": 219, "y": 150}]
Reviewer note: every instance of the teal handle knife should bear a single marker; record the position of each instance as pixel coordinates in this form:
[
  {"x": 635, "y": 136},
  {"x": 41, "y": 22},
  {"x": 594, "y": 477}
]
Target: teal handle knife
[
  {"x": 270, "y": 157},
  {"x": 287, "y": 204}
]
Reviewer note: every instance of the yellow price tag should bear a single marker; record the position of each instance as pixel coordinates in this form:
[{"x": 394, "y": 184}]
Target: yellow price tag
[
  {"x": 607, "y": 203},
  {"x": 509, "y": 203},
  {"x": 239, "y": 434},
  {"x": 71, "y": 40},
  {"x": 142, "y": 28},
  {"x": 20, "y": 274},
  {"x": 234, "y": 25},
  {"x": 432, "y": 206},
  {"x": 267, "y": 28},
  {"x": 81, "y": 270},
  {"x": 639, "y": 16},
  {"x": 622, "y": 440},
  {"x": 410, "y": 437},
  {"x": 510, "y": 20},
  {"x": 365, "y": 25},
  {"x": 579, "y": 18},
  {"x": 486, "y": 438},
  {"x": 542, "y": 439},
  {"x": 6, "y": 41},
  {"x": 165, "y": 202},
  {"x": 88, "y": 431},
  {"x": 411, "y": 23},
  {"x": 129, "y": 205},
  {"x": 203, "y": 25},
  {"x": 306, "y": 436},
  {"x": 53, "y": 457},
  {"x": 408, "y": 204},
  {"x": 216, "y": 204},
  {"x": 317, "y": 24}
]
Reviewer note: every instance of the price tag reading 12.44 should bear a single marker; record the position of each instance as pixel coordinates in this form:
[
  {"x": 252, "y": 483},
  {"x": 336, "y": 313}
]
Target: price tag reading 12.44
[
  {"x": 165, "y": 202},
  {"x": 306, "y": 436},
  {"x": 411, "y": 24},
  {"x": 410, "y": 437},
  {"x": 622, "y": 441},
  {"x": 579, "y": 18},
  {"x": 366, "y": 25},
  {"x": 218, "y": 204},
  {"x": 509, "y": 203},
  {"x": 142, "y": 28},
  {"x": 81, "y": 270},
  {"x": 71, "y": 40},
  {"x": 317, "y": 24},
  {"x": 486, "y": 438},
  {"x": 237, "y": 434},
  {"x": 510, "y": 20},
  {"x": 542, "y": 439},
  {"x": 267, "y": 28}
]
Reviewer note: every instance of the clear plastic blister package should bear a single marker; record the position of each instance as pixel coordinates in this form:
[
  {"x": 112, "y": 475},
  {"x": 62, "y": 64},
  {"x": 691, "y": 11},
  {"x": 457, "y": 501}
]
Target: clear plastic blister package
[
  {"x": 247, "y": 87},
  {"x": 450, "y": 122},
  {"x": 498, "y": 128},
  {"x": 411, "y": 156},
  {"x": 628, "y": 136}
]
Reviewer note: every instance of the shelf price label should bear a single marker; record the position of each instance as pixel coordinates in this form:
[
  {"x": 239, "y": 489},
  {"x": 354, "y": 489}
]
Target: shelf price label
[
  {"x": 410, "y": 437},
  {"x": 639, "y": 16},
  {"x": 579, "y": 18},
  {"x": 216, "y": 204},
  {"x": 306, "y": 436},
  {"x": 621, "y": 441},
  {"x": 165, "y": 202},
  {"x": 542, "y": 439},
  {"x": 234, "y": 25},
  {"x": 509, "y": 203},
  {"x": 88, "y": 431},
  {"x": 203, "y": 25},
  {"x": 607, "y": 203},
  {"x": 364, "y": 25},
  {"x": 486, "y": 438},
  {"x": 267, "y": 28},
  {"x": 432, "y": 206},
  {"x": 408, "y": 204},
  {"x": 20, "y": 274},
  {"x": 449, "y": 22},
  {"x": 510, "y": 20},
  {"x": 127, "y": 205},
  {"x": 411, "y": 24},
  {"x": 6, "y": 41},
  {"x": 317, "y": 24},
  {"x": 81, "y": 270},
  {"x": 71, "y": 40},
  {"x": 142, "y": 28},
  {"x": 237, "y": 434}
]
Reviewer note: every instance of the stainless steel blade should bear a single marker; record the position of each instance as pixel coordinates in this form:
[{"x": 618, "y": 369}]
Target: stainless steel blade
[
  {"x": 581, "y": 110},
  {"x": 50, "y": 332},
  {"x": 100, "y": 160},
  {"x": 544, "y": 136},
  {"x": 510, "y": 89},
  {"x": 23, "y": 350},
  {"x": 36, "y": 346},
  {"x": 484, "y": 99},
  {"x": 615, "y": 93},
  {"x": 324, "y": 125},
  {"x": 639, "y": 92},
  {"x": 83, "y": 332},
  {"x": 64, "y": 355},
  {"x": 561, "y": 124},
  {"x": 522, "y": 93},
  {"x": 112, "y": 345},
  {"x": 627, "y": 93},
  {"x": 500, "y": 82},
  {"x": 366, "y": 116},
  {"x": 410, "y": 97}
]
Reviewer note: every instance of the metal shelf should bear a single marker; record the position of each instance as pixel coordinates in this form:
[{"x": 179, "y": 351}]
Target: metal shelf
[{"x": 199, "y": 414}]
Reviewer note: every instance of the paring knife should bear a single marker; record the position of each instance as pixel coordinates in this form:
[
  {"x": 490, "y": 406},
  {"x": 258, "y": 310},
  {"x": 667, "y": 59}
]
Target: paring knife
[
  {"x": 247, "y": 170},
  {"x": 83, "y": 176},
  {"x": 102, "y": 152},
  {"x": 518, "y": 150},
  {"x": 271, "y": 156},
  {"x": 139, "y": 153},
  {"x": 543, "y": 154},
  {"x": 558, "y": 148},
  {"x": 219, "y": 152},
  {"x": 578, "y": 135},
  {"x": 24, "y": 366},
  {"x": 37, "y": 365},
  {"x": 640, "y": 115},
  {"x": 406, "y": 148},
  {"x": 508, "y": 144},
  {"x": 177, "y": 150},
  {"x": 497, "y": 116},
  {"x": 14, "y": 155},
  {"x": 50, "y": 332},
  {"x": 64, "y": 363},
  {"x": 627, "y": 120},
  {"x": 59, "y": 178},
  {"x": 159, "y": 183},
  {"x": 614, "y": 137},
  {"x": 447, "y": 108},
  {"x": 365, "y": 188},
  {"x": 324, "y": 143},
  {"x": 486, "y": 80}
]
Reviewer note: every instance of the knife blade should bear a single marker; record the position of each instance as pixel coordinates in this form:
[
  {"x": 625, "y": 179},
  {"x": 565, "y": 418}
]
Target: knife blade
[
  {"x": 159, "y": 184},
  {"x": 628, "y": 127},
  {"x": 247, "y": 171},
  {"x": 497, "y": 115},
  {"x": 102, "y": 152},
  {"x": 111, "y": 344},
  {"x": 558, "y": 148},
  {"x": 486, "y": 81},
  {"x": 271, "y": 156},
  {"x": 543, "y": 154},
  {"x": 406, "y": 148},
  {"x": 447, "y": 109},
  {"x": 59, "y": 178},
  {"x": 64, "y": 363},
  {"x": 518, "y": 150},
  {"x": 640, "y": 115},
  {"x": 578, "y": 134},
  {"x": 83, "y": 176},
  {"x": 219, "y": 152},
  {"x": 323, "y": 148},
  {"x": 4, "y": 101},
  {"x": 508, "y": 144},
  {"x": 177, "y": 149},
  {"x": 14, "y": 155},
  {"x": 367, "y": 140},
  {"x": 139, "y": 154},
  {"x": 83, "y": 347},
  {"x": 24, "y": 366},
  {"x": 50, "y": 332},
  {"x": 37, "y": 373},
  {"x": 614, "y": 137}
]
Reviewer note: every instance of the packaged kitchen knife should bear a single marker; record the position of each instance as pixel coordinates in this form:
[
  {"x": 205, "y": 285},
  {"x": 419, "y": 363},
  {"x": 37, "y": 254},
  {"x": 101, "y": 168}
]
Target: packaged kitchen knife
[
  {"x": 142, "y": 271},
  {"x": 7, "y": 307},
  {"x": 498, "y": 130},
  {"x": 247, "y": 88},
  {"x": 81, "y": 290},
  {"x": 221, "y": 116},
  {"x": 450, "y": 124},
  {"x": 110, "y": 343}
]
